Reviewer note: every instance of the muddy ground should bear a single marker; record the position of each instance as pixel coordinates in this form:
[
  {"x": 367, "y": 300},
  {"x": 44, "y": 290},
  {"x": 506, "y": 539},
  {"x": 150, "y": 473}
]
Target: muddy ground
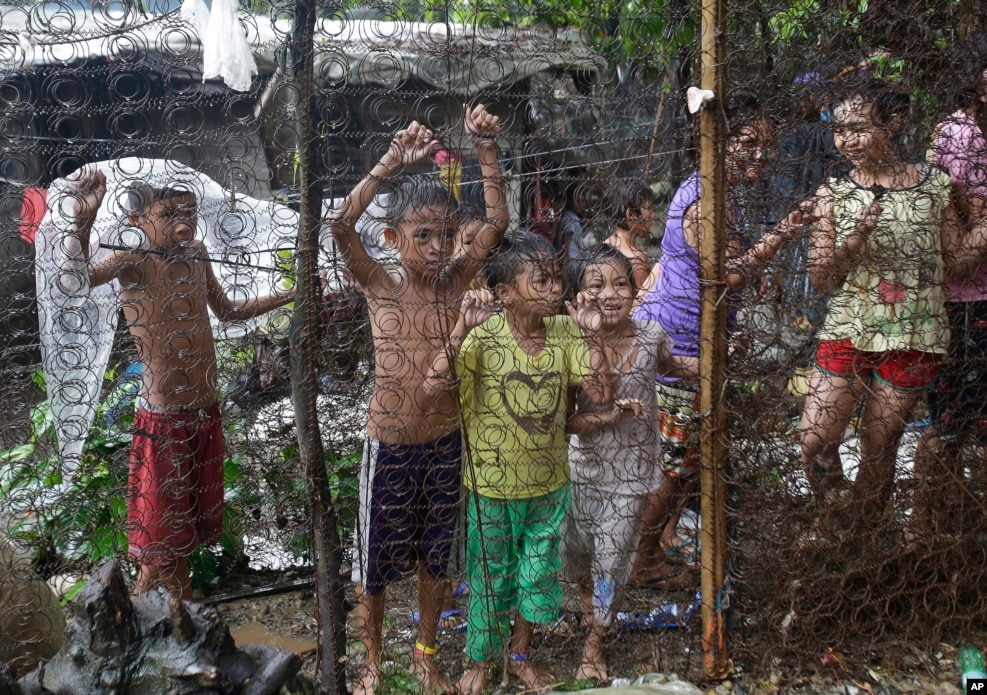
[{"x": 631, "y": 652}]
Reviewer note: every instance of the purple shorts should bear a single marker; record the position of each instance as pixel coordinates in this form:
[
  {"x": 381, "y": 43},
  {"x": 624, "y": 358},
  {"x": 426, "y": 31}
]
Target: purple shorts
[{"x": 409, "y": 505}]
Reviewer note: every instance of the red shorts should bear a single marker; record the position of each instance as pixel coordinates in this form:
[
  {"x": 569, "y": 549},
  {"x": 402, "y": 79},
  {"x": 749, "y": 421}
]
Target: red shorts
[
  {"x": 903, "y": 369},
  {"x": 175, "y": 483}
]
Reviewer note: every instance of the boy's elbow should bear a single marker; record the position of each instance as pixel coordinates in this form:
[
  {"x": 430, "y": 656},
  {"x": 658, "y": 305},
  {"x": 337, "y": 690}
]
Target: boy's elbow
[
  {"x": 957, "y": 270},
  {"x": 338, "y": 230},
  {"x": 227, "y": 316},
  {"x": 94, "y": 278},
  {"x": 575, "y": 425},
  {"x": 686, "y": 368},
  {"x": 228, "y": 312},
  {"x": 341, "y": 225},
  {"x": 431, "y": 387}
]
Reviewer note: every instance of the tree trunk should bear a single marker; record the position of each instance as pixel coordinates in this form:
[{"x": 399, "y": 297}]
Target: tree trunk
[{"x": 331, "y": 677}]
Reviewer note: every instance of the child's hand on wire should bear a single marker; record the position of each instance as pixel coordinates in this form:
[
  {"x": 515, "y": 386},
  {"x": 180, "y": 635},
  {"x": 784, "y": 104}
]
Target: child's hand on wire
[
  {"x": 630, "y": 405},
  {"x": 88, "y": 192},
  {"x": 802, "y": 215},
  {"x": 867, "y": 220},
  {"x": 480, "y": 123},
  {"x": 585, "y": 313},
  {"x": 477, "y": 307},
  {"x": 410, "y": 146}
]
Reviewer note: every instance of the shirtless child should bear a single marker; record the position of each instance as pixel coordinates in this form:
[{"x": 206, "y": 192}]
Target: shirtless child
[
  {"x": 410, "y": 481},
  {"x": 630, "y": 205},
  {"x": 175, "y": 498}
]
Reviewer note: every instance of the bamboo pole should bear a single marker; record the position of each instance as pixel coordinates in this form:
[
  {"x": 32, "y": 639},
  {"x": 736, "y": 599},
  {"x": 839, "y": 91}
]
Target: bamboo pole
[
  {"x": 327, "y": 550},
  {"x": 713, "y": 341}
]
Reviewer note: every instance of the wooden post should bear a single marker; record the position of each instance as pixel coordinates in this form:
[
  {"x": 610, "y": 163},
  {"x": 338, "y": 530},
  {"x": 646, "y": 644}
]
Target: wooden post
[
  {"x": 331, "y": 675},
  {"x": 713, "y": 340}
]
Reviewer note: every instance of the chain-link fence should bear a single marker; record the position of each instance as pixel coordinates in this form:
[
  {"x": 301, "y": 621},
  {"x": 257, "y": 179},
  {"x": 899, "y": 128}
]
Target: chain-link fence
[{"x": 163, "y": 402}]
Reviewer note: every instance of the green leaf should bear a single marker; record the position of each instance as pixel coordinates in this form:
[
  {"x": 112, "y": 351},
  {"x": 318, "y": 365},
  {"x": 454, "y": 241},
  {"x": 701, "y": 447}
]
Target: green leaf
[
  {"x": 74, "y": 591},
  {"x": 42, "y": 422},
  {"x": 573, "y": 686},
  {"x": 118, "y": 508},
  {"x": 204, "y": 566},
  {"x": 231, "y": 470},
  {"x": 21, "y": 452},
  {"x": 103, "y": 545}
]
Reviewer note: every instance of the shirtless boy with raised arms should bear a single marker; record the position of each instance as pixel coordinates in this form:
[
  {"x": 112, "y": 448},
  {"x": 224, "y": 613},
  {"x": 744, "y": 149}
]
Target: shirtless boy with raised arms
[
  {"x": 175, "y": 498},
  {"x": 410, "y": 481}
]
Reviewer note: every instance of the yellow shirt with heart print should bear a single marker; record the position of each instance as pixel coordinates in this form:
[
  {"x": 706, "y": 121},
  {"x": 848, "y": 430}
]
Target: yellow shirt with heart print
[{"x": 515, "y": 406}]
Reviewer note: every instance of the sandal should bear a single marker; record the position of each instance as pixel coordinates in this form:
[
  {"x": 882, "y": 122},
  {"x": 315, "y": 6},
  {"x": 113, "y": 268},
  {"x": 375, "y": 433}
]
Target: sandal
[
  {"x": 687, "y": 551},
  {"x": 449, "y": 621}
]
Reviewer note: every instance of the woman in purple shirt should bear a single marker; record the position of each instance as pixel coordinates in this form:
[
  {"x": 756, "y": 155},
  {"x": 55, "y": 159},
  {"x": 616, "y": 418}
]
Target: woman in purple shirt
[{"x": 670, "y": 296}]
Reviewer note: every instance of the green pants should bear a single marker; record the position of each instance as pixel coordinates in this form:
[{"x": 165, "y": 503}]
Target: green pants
[{"x": 512, "y": 561}]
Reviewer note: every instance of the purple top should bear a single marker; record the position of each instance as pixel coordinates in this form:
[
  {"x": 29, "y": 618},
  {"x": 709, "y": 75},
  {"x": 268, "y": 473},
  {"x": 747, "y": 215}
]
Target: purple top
[
  {"x": 959, "y": 147},
  {"x": 674, "y": 300}
]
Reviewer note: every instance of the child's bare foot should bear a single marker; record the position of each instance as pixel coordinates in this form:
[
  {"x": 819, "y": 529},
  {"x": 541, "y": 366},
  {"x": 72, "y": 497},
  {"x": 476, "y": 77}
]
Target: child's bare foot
[
  {"x": 535, "y": 679},
  {"x": 433, "y": 680},
  {"x": 668, "y": 574},
  {"x": 593, "y": 670},
  {"x": 369, "y": 681},
  {"x": 671, "y": 539},
  {"x": 594, "y": 665},
  {"x": 586, "y": 605},
  {"x": 474, "y": 680}
]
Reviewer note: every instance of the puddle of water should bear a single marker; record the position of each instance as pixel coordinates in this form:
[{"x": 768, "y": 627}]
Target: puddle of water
[{"x": 256, "y": 633}]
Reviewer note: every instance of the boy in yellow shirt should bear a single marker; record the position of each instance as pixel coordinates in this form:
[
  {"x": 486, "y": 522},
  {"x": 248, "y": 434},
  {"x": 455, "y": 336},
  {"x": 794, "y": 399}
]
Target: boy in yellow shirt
[{"x": 517, "y": 373}]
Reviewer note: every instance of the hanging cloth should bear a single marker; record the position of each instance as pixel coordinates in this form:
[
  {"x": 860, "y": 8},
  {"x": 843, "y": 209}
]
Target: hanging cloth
[{"x": 225, "y": 51}]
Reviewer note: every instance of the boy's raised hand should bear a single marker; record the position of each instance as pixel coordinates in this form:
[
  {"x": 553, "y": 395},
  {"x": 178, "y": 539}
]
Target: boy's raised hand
[
  {"x": 87, "y": 192},
  {"x": 585, "y": 313},
  {"x": 480, "y": 123},
  {"x": 477, "y": 307},
  {"x": 409, "y": 146}
]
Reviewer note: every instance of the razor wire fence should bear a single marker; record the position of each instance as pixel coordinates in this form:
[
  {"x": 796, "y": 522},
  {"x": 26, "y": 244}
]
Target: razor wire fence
[{"x": 591, "y": 100}]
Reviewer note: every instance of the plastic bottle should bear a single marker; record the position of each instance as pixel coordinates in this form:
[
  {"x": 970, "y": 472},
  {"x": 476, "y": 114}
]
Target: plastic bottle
[{"x": 971, "y": 665}]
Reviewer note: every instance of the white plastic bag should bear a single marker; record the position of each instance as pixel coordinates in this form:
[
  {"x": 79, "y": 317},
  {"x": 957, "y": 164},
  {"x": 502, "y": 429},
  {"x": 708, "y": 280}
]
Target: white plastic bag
[
  {"x": 225, "y": 51},
  {"x": 196, "y": 13}
]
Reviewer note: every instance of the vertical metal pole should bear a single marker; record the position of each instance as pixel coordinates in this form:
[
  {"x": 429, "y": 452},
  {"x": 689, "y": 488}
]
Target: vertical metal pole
[
  {"x": 331, "y": 675},
  {"x": 713, "y": 340}
]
